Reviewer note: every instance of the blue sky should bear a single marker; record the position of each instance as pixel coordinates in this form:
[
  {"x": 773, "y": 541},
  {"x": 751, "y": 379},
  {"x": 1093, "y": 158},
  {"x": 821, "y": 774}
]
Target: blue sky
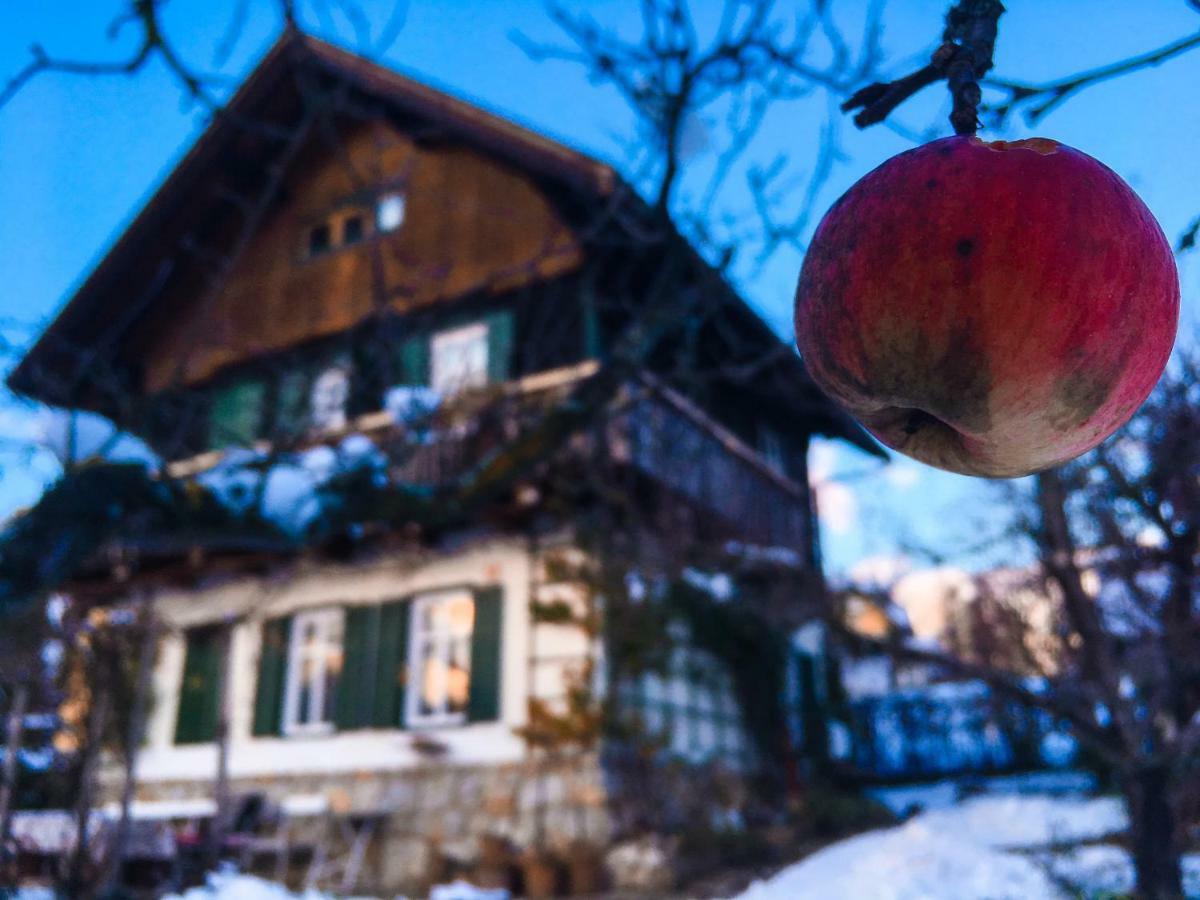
[{"x": 78, "y": 157}]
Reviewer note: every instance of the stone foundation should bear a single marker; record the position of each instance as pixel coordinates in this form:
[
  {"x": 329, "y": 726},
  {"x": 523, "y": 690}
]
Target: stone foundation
[{"x": 432, "y": 815}]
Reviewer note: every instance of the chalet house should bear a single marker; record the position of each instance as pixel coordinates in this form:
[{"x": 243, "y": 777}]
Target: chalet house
[{"x": 473, "y": 409}]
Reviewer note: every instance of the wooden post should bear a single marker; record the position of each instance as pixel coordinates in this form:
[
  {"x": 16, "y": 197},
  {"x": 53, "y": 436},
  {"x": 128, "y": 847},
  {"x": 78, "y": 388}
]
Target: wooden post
[
  {"x": 220, "y": 823},
  {"x": 8, "y": 780},
  {"x": 133, "y": 742}
]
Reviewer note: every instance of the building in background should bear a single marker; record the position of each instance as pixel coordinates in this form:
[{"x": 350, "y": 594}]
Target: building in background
[{"x": 447, "y": 415}]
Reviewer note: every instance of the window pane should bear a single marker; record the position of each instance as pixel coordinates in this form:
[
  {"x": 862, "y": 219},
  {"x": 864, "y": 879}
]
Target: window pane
[
  {"x": 352, "y": 230},
  {"x": 328, "y": 400},
  {"x": 459, "y": 359},
  {"x": 390, "y": 213},
  {"x": 314, "y": 666},
  {"x": 318, "y": 239},
  {"x": 441, "y": 650}
]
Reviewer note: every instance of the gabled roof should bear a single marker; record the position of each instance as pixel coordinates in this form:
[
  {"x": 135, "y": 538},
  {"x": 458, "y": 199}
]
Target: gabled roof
[{"x": 123, "y": 284}]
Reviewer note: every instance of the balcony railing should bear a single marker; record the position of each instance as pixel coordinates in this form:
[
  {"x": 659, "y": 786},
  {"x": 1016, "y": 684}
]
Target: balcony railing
[{"x": 649, "y": 427}]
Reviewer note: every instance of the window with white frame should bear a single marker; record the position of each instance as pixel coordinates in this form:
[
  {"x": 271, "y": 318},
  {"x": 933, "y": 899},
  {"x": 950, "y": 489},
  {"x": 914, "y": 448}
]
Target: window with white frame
[
  {"x": 314, "y": 666},
  {"x": 327, "y": 400},
  {"x": 459, "y": 359},
  {"x": 440, "y": 658}
]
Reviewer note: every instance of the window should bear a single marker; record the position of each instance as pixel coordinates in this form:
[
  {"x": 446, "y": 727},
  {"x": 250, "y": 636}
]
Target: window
[
  {"x": 440, "y": 651},
  {"x": 314, "y": 665},
  {"x": 692, "y": 708},
  {"x": 352, "y": 230},
  {"x": 235, "y": 418},
  {"x": 330, "y": 391},
  {"x": 320, "y": 239},
  {"x": 459, "y": 359},
  {"x": 770, "y": 445},
  {"x": 389, "y": 214}
]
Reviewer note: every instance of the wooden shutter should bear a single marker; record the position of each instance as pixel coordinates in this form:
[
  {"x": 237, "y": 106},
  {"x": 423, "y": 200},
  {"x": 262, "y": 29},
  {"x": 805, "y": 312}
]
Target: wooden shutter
[
  {"x": 236, "y": 415},
  {"x": 391, "y": 674},
  {"x": 196, "y": 722},
  {"x": 272, "y": 676},
  {"x": 483, "y": 705},
  {"x": 356, "y": 685},
  {"x": 500, "y": 345},
  {"x": 414, "y": 360}
]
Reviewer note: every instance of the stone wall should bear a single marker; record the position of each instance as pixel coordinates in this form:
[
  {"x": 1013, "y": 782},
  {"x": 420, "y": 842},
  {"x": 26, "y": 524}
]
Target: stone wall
[{"x": 433, "y": 813}]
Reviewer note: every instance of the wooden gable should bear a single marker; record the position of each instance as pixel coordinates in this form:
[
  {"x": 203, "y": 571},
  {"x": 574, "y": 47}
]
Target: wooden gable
[{"x": 471, "y": 224}]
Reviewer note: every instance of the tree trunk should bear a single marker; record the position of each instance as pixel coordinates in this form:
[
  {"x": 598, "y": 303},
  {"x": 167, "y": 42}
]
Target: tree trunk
[
  {"x": 1153, "y": 833},
  {"x": 220, "y": 822},
  {"x": 133, "y": 742},
  {"x": 77, "y": 874},
  {"x": 8, "y": 781}
]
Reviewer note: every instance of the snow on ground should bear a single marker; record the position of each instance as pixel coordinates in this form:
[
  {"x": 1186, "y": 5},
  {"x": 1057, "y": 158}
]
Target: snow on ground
[
  {"x": 1105, "y": 869},
  {"x": 1017, "y": 821},
  {"x": 232, "y": 886},
  {"x": 957, "y": 852},
  {"x": 912, "y": 862}
]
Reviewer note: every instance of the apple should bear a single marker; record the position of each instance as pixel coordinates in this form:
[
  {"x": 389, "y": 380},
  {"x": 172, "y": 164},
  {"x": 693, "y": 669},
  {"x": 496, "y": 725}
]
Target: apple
[{"x": 990, "y": 308}]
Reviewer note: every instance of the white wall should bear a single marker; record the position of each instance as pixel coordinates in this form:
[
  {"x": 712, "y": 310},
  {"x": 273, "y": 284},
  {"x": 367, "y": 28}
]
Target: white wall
[{"x": 250, "y": 601}]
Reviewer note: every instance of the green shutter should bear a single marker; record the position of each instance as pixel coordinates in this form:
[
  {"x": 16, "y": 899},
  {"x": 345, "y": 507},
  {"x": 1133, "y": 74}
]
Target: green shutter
[
  {"x": 500, "y": 345},
  {"x": 272, "y": 675},
  {"x": 356, "y": 685},
  {"x": 414, "y": 360},
  {"x": 484, "y": 702},
  {"x": 292, "y": 407},
  {"x": 196, "y": 722},
  {"x": 391, "y": 675},
  {"x": 236, "y": 415},
  {"x": 591, "y": 321}
]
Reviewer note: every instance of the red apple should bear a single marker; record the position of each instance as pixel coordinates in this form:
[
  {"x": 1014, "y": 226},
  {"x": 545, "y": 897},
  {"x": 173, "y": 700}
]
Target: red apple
[{"x": 990, "y": 308}]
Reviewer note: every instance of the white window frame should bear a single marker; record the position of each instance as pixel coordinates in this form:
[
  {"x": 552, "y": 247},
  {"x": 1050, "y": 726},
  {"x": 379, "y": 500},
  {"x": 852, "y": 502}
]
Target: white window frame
[
  {"x": 447, "y": 351},
  {"x": 413, "y": 717},
  {"x": 328, "y": 621},
  {"x": 329, "y": 419}
]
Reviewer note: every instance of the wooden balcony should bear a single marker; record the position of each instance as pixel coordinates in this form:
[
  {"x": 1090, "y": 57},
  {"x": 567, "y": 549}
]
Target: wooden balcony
[
  {"x": 648, "y": 426},
  {"x": 668, "y": 438}
]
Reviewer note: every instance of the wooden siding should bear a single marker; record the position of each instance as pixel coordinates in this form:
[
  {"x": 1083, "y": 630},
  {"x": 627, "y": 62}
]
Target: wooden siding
[{"x": 471, "y": 224}]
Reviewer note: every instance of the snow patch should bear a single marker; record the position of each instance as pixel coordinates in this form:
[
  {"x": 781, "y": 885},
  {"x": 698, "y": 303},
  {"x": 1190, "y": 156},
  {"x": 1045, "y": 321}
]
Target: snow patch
[{"x": 957, "y": 852}]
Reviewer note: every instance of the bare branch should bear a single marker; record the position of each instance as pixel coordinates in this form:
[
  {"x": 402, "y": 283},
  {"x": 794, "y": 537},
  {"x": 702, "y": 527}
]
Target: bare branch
[{"x": 1041, "y": 99}]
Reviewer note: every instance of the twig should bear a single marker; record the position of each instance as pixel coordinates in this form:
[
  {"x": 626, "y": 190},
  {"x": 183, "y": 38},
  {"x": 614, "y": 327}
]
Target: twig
[{"x": 1055, "y": 92}]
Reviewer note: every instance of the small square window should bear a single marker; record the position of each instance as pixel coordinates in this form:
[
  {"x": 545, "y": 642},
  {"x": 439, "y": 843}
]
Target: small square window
[
  {"x": 352, "y": 230},
  {"x": 319, "y": 239},
  {"x": 389, "y": 214}
]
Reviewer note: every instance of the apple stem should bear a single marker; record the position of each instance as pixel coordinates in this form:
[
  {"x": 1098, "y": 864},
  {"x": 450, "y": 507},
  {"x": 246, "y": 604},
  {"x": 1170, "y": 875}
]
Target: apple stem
[
  {"x": 964, "y": 57},
  {"x": 969, "y": 40}
]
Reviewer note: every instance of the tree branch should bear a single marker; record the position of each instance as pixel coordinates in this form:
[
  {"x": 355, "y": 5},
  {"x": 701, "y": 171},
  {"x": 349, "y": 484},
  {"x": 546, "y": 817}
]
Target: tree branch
[{"x": 1055, "y": 92}]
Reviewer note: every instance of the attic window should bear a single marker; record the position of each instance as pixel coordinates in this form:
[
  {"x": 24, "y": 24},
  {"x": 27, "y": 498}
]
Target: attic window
[
  {"x": 319, "y": 239},
  {"x": 352, "y": 230},
  {"x": 389, "y": 213}
]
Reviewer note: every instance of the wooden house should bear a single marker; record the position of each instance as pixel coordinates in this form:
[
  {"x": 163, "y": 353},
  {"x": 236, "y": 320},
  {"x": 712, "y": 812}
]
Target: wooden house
[{"x": 342, "y": 245}]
